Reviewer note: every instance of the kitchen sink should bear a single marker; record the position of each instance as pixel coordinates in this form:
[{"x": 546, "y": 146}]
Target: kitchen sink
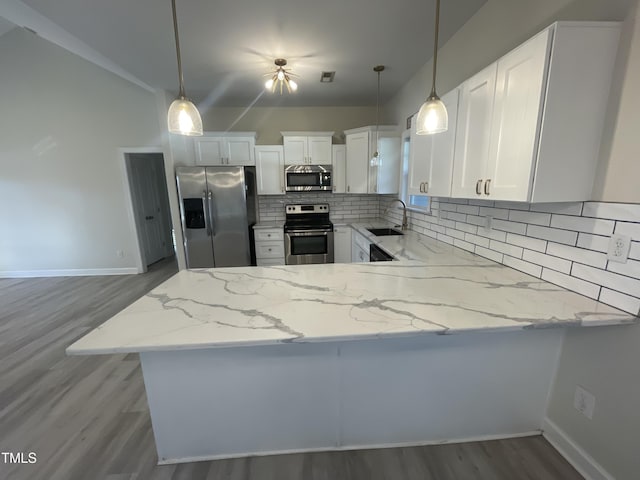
[{"x": 383, "y": 232}]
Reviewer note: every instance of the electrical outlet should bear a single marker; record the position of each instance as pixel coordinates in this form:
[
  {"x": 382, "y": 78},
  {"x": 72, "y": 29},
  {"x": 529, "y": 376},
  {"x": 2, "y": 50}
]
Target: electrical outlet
[
  {"x": 120, "y": 253},
  {"x": 584, "y": 402},
  {"x": 488, "y": 223},
  {"x": 619, "y": 248}
]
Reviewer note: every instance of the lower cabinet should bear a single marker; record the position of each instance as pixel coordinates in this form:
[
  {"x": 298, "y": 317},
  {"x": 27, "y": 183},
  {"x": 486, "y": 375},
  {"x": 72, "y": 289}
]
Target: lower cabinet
[
  {"x": 342, "y": 243},
  {"x": 359, "y": 248},
  {"x": 269, "y": 244}
]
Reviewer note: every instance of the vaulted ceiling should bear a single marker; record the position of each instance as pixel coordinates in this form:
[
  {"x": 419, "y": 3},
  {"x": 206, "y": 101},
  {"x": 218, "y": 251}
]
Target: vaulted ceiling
[{"x": 228, "y": 45}]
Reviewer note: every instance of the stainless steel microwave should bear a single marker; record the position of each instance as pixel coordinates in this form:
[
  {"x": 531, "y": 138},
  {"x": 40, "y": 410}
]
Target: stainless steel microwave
[{"x": 308, "y": 178}]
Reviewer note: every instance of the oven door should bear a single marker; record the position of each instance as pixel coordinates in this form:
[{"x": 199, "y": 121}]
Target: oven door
[{"x": 308, "y": 246}]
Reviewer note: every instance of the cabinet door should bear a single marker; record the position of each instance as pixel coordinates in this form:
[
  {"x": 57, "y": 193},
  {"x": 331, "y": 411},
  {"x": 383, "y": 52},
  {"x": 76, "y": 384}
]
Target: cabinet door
[
  {"x": 240, "y": 151},
  {"x": 420, "y": 157},
  {"x": 339, "y": 163},
  {"x": 270, "y": 169},
  {"x": 388, "y": 168},
  {"x": 210, "y": 151},
  {"x": 474, "y": 127},
  {"x": 357, "y": 162},
  {"x": 440, "y": 162},
  {"x": 342, "y": 244},
  {"x": 516, "y": 119},
  {"x": 319, "y": 150},
  {"x": 295, "y": 150}
]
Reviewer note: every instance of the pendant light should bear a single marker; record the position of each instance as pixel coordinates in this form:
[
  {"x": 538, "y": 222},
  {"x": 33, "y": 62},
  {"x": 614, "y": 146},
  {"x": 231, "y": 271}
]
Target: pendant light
[
  {"x": 280, "y": 78},
  {"x": 432, "y": 117},
  {"x": 183, "y": 117},
  {"x": 378, "y": 69}
]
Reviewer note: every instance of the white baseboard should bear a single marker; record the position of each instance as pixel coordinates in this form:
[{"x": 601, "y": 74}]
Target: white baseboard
[
  {"x": 573, "y": 453},
  {"x": 73, "y": 272},
  {"x": 477, "y": 438}
]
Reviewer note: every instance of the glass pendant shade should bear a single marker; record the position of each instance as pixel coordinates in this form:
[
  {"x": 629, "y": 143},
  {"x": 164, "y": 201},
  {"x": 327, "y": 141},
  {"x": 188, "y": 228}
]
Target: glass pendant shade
[
  {"x": 183, "y": 118},
  {"x": 432, "y": 117}
]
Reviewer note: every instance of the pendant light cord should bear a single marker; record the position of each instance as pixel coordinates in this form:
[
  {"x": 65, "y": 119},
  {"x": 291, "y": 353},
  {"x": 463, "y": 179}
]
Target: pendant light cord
[
  {"x": 377, "y": 112},
  {"x": 435, "y": 49},
  {"x": 175, "y": 31}
]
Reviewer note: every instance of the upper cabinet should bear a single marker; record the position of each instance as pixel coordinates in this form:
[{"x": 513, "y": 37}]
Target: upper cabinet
[
  {"x": 364, "y": 172},
  {"x": 225, "y": 148},
  {"x": 431, "y": 156},
  {"x": 307, "y": 148},
  {"x": 270, "y": 169},
  {"x": 339, "y": 164},
  {"x": 529, "y": 125}
]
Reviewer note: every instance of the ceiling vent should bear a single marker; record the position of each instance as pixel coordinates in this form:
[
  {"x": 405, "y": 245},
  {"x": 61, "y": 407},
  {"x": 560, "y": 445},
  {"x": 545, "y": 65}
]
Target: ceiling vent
[{"x": 327, "y": 77}]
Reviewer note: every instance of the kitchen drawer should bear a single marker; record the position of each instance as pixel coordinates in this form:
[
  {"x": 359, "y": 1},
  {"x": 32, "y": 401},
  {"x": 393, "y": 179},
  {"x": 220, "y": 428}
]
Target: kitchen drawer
[
  {"x": 266, "y": 262},
  {"x": 270, "y": 235},
  {"x": 269, "y": 249}
]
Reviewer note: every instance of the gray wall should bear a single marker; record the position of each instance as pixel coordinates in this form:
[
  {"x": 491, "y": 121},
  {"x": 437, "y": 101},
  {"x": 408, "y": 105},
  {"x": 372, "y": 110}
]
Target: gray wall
[{"x": 63, "y": 202}]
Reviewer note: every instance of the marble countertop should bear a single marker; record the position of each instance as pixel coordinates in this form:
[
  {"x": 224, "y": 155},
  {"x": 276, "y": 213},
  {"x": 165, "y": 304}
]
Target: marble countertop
[{"x": 435, "y": 288}]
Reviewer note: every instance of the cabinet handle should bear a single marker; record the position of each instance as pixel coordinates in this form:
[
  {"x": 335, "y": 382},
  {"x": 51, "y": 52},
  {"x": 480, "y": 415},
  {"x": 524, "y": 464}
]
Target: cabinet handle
[
  {"x": 268, "y": 234},
  {"x": 486, "y": 187},
  {"x": 421, "y": 187},
  {"x": 426, "y": 187},
  {"x": 479, "y": 187},
  {"x": 348, "y": 188},
  {"x": 375, "y": 189},
  {"x": 334, "y": 188}
]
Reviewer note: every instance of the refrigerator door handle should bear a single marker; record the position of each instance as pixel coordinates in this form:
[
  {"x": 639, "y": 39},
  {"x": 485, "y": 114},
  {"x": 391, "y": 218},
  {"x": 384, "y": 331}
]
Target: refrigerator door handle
[
  {"x": 210, "y": 208},
  {"x": 206, "y": 212}
]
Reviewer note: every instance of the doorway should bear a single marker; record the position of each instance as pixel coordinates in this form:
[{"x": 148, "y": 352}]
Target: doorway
[{"x": 150, "y": 206}]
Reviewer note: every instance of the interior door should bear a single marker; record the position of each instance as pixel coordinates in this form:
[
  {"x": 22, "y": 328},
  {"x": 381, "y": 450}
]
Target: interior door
[{"x": 148, "y": 208}]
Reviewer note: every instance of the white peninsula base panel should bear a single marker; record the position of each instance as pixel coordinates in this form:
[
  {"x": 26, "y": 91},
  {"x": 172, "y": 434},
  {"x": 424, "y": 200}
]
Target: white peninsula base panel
[{"x": 257, "y": 400}]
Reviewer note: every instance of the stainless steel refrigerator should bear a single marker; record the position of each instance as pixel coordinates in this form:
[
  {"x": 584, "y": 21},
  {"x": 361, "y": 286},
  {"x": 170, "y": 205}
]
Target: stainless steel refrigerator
[{"x": 218, "y": 210}]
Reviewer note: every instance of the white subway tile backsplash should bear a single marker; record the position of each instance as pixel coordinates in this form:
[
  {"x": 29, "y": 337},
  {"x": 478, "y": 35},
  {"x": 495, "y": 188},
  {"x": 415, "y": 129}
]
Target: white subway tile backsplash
[
  {"x": 465, "y": 227},
  {"x": 476, "y": 240},
  {"x": 631, "y": 269},
  {"x": 525, "y": 267},
  {"x": 493, "y": 234},
  {"x": 548, "y": 261},
  {"x": 490, "y": 254},
  {"x": 583, "y": 224},
  {"x": 571, "y": 283},
  {"x": 568, "y": 208},
  {"x": 458, "y": 217},
  {"x": 470, "y": 209},
  {"x": 527, "y": 242},
  {"x": 464, "y": 245},
  {"x": 512, "y": 205},
  {"x": 615, "y": 211},
  {"x": 506, "y": 248},
  {"x": 475, "y": 220},
  {"x": 630, "y": 229},
  {"x": 593, "y": 242},
  {"x": 552, "y": 234},
  {"x": 448, "y": 207},
  {"x": 507, "y": 226},
  {"x": 535, "y": 218},
  {"x": 447, "y": 223},
  {"x": 634, "y": 252},
  {"x": 580, "y": 255},
  {"x": 620, "y": 283},
  {"x": 455, "y": 233},
  {"x": 621, "y": 301},
  {"x": 445, "y": 238},
  {"x": 501, "y": 213}
]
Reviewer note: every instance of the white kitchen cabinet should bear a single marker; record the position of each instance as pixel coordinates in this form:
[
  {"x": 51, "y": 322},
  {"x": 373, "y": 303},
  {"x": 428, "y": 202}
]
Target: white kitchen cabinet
[
  {"x": 359, "y": 248},
  {"x": 342, "y": 243},
  {"x": 539, "y": 140},
  {"x": 269, "y": 244},
  {"x": 307, "y": 148},
  {"x": 431, "y": 156},
  {"x": 270, "y": 169},
  {"x": 474, "y": 127},
  {"x": 339, "y": 168},
  {"x": 230, "y": 148},
  {"x": 366, "y": 174}
]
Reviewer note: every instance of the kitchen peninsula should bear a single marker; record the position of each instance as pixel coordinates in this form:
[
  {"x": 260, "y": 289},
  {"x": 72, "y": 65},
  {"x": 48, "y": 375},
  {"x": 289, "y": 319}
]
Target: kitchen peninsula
[{"x": 440, "y": 346}]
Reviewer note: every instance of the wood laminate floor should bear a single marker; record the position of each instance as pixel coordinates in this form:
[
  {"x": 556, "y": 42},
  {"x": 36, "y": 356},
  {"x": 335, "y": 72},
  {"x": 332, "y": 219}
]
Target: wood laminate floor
[{"x": 86, "y": 418}]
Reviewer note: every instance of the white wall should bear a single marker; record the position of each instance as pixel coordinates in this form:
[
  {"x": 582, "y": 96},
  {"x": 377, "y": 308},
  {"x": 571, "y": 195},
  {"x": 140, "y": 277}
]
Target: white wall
[{"x": 62, "y": 186}]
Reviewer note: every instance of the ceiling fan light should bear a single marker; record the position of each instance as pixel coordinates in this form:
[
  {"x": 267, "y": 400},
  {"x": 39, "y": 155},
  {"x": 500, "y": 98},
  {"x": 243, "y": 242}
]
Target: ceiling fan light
[
  {"x": 280, "y": 75},
  {"x": 293, "y": 85},
  {"x": 432, "y": 117},
  {"x": 268, "y": 84},
  {"x": 183, "y": 118}
]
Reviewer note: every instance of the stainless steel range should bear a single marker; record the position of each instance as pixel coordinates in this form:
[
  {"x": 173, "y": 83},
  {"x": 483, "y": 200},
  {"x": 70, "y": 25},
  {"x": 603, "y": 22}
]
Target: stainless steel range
[{"x": 308, "y": 234}]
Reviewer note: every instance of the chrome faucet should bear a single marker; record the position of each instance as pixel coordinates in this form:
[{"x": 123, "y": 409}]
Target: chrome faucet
[{"x": 405, "y": 224}]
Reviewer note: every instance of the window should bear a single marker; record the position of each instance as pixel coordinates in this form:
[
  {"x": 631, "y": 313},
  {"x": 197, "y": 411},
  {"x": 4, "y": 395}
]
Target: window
[{"x": 415, "y": 202}]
